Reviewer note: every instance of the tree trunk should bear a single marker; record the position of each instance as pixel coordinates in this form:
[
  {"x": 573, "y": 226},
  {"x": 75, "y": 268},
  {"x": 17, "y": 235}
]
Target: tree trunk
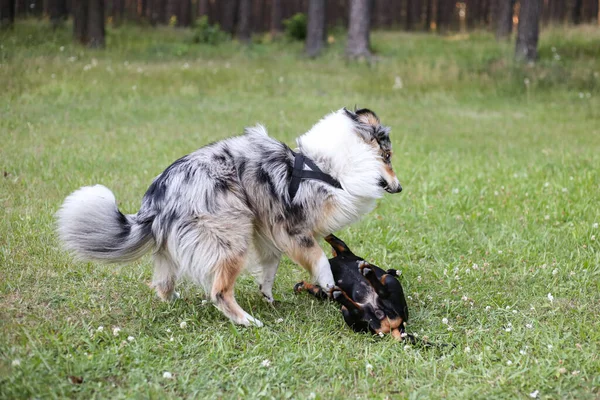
[
  {"x": 413, "y": 14},
  {"x": 445, "y": 9},
  {"x": 88, "y": 22},
  {"x": 577, "y": 6},
  {"x": 429, "y": 15},
  {"x": 7, "y": 13},
  {"x": 504, "y": 19},
  {"x": 358, "y": 31},
  {"x": 315, "y": 31},
  {"x": 528, "y": 30},
  {"x": 244, "y": 32},
  {"x": 276, "y": 17},
  {"x": 57, "y": 9},
  {"x": 557, "y": 11},
  {"x": 184, "y": 14},
  {"x": 228, "y": 15}
]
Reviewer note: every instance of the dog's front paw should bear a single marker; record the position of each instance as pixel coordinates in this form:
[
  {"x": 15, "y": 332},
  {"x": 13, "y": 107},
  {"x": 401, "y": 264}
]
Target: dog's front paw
[{"x": 299, "y": 287}]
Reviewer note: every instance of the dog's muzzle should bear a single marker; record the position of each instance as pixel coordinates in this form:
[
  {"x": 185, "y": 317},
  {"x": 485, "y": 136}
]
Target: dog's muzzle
[{"x": 397, "y": 188}]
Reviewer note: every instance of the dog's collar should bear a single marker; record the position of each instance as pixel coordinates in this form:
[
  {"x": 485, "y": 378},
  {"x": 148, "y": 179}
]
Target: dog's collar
[{"x": 299, "y": 173}]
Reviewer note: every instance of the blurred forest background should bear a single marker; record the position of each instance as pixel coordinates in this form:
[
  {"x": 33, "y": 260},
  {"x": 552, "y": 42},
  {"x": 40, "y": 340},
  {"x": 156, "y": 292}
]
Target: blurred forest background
[{"x": 310, "y": 19}]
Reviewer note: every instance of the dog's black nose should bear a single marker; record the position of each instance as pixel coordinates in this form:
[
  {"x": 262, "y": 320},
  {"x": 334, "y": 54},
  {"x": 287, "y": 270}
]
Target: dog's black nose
[{"x": 397, "y": 189}]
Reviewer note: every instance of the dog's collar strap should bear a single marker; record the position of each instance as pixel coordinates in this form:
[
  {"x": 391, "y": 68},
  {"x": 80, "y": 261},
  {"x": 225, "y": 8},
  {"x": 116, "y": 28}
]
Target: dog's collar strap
[{"x": 299, "y": 173}]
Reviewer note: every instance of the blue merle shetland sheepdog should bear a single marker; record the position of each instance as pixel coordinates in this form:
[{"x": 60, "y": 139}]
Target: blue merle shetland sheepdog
[{"x": 241, "y": 203}]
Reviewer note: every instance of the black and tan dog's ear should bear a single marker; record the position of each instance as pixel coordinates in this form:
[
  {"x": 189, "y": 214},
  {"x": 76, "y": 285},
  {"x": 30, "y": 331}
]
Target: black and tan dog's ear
[{"x": 337, "y": 245}]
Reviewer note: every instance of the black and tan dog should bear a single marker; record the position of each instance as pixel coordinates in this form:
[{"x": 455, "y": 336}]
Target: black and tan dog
[{"x": 372, "y": 300}]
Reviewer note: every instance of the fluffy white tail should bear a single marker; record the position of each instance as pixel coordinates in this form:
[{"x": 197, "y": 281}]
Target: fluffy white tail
[{"x": 91, "y": 226}]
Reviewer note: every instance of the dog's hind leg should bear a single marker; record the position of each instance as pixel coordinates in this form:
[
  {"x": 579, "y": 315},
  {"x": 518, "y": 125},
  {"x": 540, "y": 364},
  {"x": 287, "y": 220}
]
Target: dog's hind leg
[
  {"x": 341, "y": 297},
  {"x": 226, "y": 272},
  {"x": 268, "y": 263},
  {"x": 165, "y": 275},
  {"x": 367, "y": 271}
]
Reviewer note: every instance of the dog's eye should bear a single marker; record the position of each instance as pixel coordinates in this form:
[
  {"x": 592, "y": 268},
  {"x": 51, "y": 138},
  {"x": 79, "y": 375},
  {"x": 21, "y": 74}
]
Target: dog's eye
[{"x": 387, "y": 156}]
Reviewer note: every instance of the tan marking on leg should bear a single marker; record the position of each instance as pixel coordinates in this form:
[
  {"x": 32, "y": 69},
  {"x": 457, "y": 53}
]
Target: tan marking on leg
[{"x": 222, "y": 288}]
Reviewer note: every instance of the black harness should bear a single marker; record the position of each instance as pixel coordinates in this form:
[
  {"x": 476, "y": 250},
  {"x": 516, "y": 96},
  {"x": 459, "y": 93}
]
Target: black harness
[{"x": 299, "y": 173}]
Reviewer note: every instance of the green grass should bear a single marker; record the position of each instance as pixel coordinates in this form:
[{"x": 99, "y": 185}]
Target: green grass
[{"x": 496, "y": 172}]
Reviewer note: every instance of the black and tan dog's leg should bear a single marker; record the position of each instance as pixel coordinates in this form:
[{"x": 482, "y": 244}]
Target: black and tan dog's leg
[
  {"x": 379, "y": 285},
  {"x": 314, "y": 290},
  {"x": 341, "y": 297}
]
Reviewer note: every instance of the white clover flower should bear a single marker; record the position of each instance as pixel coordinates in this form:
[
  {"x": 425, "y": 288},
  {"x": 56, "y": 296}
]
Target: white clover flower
[
  {"x": 555, "y": 271},
  {"x": 204, "y": 302},
  {"x": 406, "y": 347},
  {"x": 312, "y": 396},
  {"x": 593, "y": 238},
  {"x": 499, "y": 251},
  {"x": 116, "y": 331},
  {"x": 398, "y": 83},
  {"x": 550, "y": 297},
  {"x": 172, "y": 339},
  {"x": 565, "y": 190},
  {"x": 464, "y": 298},
  {"x": 534, "y": 394},
  {"x": 419, "y": 279},
  {"x": 581, "y": 95},
  {"x": 575, "y": 373},
  {"x": 62, "y": 48},
  {"x": 100, "y": 329},
  {"x": 546, "y": 184},
  {"x": 381, "y": 334},
  {"x": 522, "y": 352},
  {"x": 595, "y": 225},
  {"x": 450, "y": 328},
  {"x": 515, "y": 311},
  {"x": 445, "y": 321},
  {"x": 562, "y": 370},
  {"x": 488, "y": 308},
  {"x": 528, "y": 326},
  {"x": 167, "y": 375},
  {"x": 16, "y": 362},
  {"x": 266, "y": 363},
  {"x": 509, "y": 362},
  {"x": 183, "y": 325},
  {"x": 526, "y": 81},
  {"x": 475, "y": 266},
  {"x": 508, "y": 329},
  {"x": 130, "y": 338},
  {"x": 467, "y": 349},
  {"x": 279, "y": 320},
  {"x": 455, "y": 191},
  {"x": 546, "y": 217},
  {"x": 550, "y": 347},
  {"x": 168, "y": 330}
]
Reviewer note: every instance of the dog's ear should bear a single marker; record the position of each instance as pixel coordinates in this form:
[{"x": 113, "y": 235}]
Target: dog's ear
[
  {"x": 337, "y": 245},
  {"x": 367, "y": 123}
]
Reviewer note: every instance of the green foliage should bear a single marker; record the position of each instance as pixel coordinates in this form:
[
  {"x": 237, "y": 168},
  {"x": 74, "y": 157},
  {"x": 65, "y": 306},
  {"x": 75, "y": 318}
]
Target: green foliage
[
  {"x": 295, "y": 27},
  {"x": 500, "y": 205},
  {"x": 206, "y": 33}
]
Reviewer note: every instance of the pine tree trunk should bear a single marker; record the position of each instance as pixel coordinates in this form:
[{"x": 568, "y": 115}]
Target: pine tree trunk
[
  {"x": 244, "y": 32},
  {"x": 276, "y": 18},
  {"x": 315, "y": 31},
  {"x": 358, "y": 31},
  {"x": 184, "y": 15},
  {"x": 429, "y": 18},
  {"x": 445, "y": 8},
  {"x": 504, "y": 19},
  {"x": 577, "y": 6},
  {"x": 413, "y": 14},
  {"x": 528, "y": 30},
  {"x": 88, "y": 22},
  {"x": 228, "y": 15},
  {"x": 7, "y": 14},
  {"x": 557, "y": 11},
  {"x": 57, "y": 9}
]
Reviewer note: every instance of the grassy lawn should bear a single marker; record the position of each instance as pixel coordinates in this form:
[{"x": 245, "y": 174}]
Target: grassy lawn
[{"x": 496, "y": 231}]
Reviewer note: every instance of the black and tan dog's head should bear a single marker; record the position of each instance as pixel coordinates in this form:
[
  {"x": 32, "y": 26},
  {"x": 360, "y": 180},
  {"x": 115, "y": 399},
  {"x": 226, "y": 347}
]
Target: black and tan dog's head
[
  {"x": 376, "y": 135},
  {"x": 371, "y": 299}
]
